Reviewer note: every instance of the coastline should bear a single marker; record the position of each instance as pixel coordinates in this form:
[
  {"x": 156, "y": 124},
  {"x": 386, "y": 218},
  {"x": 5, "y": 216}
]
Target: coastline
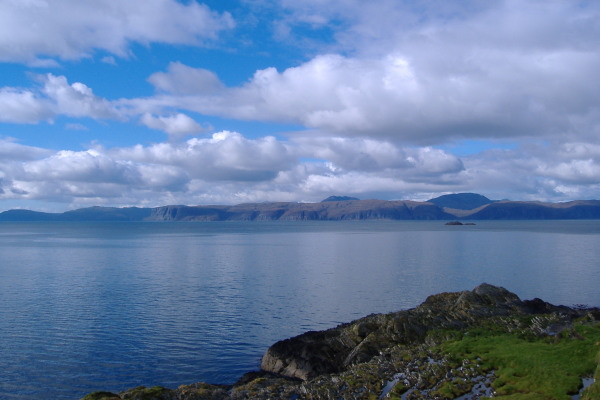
[{"x": 391, "y": 355}]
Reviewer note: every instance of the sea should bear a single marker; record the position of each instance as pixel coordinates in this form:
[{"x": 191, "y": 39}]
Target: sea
[{"x": 88, "y": 306}]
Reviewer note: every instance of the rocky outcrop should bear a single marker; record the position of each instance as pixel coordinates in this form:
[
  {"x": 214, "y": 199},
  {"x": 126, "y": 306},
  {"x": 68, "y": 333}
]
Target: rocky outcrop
[
  {"x": 384, "y": 354},
  {"x": 334, "y": 350}
]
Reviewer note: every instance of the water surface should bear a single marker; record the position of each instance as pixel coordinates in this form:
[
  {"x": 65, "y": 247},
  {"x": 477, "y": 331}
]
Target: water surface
[{"x": 109, "y": 306}]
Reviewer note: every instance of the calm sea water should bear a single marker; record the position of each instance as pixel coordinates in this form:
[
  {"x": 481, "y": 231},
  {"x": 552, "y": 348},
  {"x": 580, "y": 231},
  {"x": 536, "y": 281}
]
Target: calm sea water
[{"x": 109, "y": 306}]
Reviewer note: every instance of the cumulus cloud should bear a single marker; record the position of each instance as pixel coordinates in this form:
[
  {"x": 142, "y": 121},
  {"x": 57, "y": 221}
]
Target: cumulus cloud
[
  {"x": 490, "y": 70},
  {"x": 371, "y": 155},
  {"x": 72, "y": 29},
  {"x": 22, "y": 106},
  {"x": 383, "y": 91},
  {"x": 71, "y": 175},
  {"x": 576, "y": 171},
  {"x": 574, "y": 164},
  {"x": 183, "y": 80},
  {"x": 225, "y": 156},
  {"x": 502, "y": 70},
  {"x": 76, "y": 99},
  {"x": 11, "y": 150},
  {"x": 230, "y": 168},
  {"x": 536, "y": 171},
  {"x": 79, "y": 166},
  {"x": 176, "y": 125},
  {"x": 391, "y": 97},
  {"x": 164, "y": 171},
  {"x": 56, "y": 97}
]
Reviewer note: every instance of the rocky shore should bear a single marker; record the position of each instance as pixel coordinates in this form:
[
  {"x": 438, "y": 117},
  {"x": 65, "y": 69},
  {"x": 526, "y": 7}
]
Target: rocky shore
[{"x": 391, "y": 355}]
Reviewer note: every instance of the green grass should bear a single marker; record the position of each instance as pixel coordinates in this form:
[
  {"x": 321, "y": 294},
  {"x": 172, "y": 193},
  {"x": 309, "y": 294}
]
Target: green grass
[
  {"x": 593, "y": 391},
  {"x": 526, "y": 368}
]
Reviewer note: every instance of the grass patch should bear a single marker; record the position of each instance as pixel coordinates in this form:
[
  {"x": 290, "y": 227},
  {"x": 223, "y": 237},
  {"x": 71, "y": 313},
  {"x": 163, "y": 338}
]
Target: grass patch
[
  {"x": 101, "y": 396},
  {"x": 593, "y": 391},
  {"x": 526, "y": 368}
]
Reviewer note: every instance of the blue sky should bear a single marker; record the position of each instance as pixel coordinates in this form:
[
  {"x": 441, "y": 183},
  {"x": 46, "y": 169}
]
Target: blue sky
[{"x": 154, "y": 102}]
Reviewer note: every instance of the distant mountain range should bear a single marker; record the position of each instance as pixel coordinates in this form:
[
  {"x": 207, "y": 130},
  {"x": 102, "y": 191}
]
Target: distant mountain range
[{"x": 466, "y": 206}]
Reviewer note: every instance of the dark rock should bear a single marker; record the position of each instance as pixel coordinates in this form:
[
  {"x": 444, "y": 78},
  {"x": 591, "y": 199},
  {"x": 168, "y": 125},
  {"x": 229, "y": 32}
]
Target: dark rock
[
  {"x": 355, "y": 360},
  {"x": 334, "y": 350},
  {"x": 153, "y": 393},
  {"x": 102, "y": 396}
]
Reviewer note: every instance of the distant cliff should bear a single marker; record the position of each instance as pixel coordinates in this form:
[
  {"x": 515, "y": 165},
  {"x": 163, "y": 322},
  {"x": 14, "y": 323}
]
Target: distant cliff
[
  {"x": 442, "y": 208},
  {"x": 324, "y": 211}
]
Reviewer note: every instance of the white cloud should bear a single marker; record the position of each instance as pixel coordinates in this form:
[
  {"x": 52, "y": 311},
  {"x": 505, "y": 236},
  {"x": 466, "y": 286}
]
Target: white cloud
[
  {"x": 11, "y": 150},
  {"x": 22, "y": 106},
  {"x": 579, "y": 150},
  {"x": 372, "y": 155},
  {"x": 183, "y": 80},
  {"x": 382, "y": 86},
  {"x": 79, "y": 166},
  {"x": 505, "y": 95},
  {"x": 69, "y": 176},
  {"x": 229, "y": 168},
  {"x": 434, "y": 162},
  {"x": 176, "y": 125},
  {"x": 77, "y": 99},
  {"x": 423, "y": 73},
  {"x": 76, "y": 127},
  {"x": 226, "y": 156},
  {"x": 109, "y": 60},
  {"x": 56, "y": 97},
  {"x": 72, "y": 29},
  {"x": 575, "y": 171},
  {"x": 573, "y": 164}
]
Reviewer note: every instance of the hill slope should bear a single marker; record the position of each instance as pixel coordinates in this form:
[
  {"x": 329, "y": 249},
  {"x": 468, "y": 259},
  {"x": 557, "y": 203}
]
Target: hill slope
[
  {"x": 461, "y": 201},
  {"x": 515, "y": 210},
  {"x": 331, "y": 211}
]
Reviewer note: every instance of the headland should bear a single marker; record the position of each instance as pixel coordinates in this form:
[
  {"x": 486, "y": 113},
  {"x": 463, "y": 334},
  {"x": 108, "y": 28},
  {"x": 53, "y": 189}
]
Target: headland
[{"x": 467, "y": 344}]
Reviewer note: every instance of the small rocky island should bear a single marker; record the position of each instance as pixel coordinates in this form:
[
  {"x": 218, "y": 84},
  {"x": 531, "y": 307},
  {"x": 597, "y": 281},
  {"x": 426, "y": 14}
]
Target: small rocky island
[{"x": 428, "y": 352}]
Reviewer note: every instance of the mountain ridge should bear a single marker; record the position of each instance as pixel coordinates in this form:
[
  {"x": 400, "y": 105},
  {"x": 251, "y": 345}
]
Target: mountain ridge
[
  {"x": 461, "y": 201},
  {"x": 440, "y": 208}
]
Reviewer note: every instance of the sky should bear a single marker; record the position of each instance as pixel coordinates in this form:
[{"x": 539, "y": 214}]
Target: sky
[{"x": 154, "y": 102}]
